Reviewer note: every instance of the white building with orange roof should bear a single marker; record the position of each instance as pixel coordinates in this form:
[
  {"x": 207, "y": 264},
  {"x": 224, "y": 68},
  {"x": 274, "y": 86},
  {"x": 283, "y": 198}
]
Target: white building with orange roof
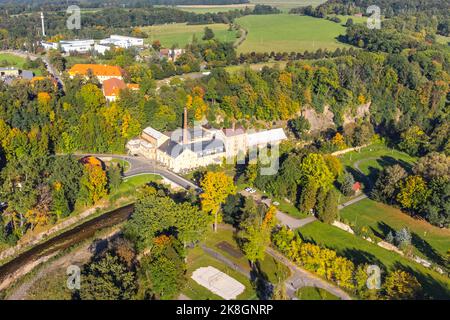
[{"x": 101, "y": 71}]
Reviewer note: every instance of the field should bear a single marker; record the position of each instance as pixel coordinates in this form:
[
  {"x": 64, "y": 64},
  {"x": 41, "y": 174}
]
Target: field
[
  {"x": 285, "y": 5},
  {"x": 181, "y": 34},
  {"x": 12, "y": 60},
  {"x": 431, "y": 242},
  {"x": 313, "y": 293},
  {"x": 286, "y": 33},
  {"x": 361, "y": 251},
  {"x": 213, "y": 8}
]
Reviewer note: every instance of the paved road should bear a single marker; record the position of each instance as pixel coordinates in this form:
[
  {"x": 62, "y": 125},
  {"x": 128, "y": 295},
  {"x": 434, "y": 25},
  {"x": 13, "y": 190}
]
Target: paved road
[
  {"x": 301, "y": 278},
  {"x": 352, "y": 201},
  {"x": 32, "y": 56},
  {"x": 140, "y": 165}
]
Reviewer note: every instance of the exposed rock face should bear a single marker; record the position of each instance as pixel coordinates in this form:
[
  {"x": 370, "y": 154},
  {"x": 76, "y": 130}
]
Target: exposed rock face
[
  {"x": 361, "y": 112},
  {"x": 322, "y": 121},
  {"x": 319, "y": 121}
]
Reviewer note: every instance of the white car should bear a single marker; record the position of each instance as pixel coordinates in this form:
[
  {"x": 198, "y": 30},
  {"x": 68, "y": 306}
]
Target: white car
[
  {"x": 276, "y": 203},
  {"x": 248, "y": 189},
  {"x": 252, "y": 190}
]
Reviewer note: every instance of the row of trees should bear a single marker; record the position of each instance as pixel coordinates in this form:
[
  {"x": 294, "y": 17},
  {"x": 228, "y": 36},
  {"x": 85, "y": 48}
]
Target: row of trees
[
  {"x": 397, "y": 284},
  {"x": 305, "y": 178}
]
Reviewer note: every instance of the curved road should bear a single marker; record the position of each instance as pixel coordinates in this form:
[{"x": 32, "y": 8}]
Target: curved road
[{"x": 140, "y": 165}]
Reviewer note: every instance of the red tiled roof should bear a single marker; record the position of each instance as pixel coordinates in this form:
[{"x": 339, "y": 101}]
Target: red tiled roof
[
  {"x": 97, "y": 70},
  {"x": 112, "y": 87}
]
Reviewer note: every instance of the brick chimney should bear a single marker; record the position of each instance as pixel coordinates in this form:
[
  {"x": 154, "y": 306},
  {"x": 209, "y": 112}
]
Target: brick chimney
[{"x": 185, "y": 127}]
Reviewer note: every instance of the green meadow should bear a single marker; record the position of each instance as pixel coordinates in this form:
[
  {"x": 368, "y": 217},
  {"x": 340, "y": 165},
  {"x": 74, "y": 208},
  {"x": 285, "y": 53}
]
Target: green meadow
[
  {"x": 286, "y": 33},
  {"x": 181, "y": 34},
  {"x": 358, "y": 250}
]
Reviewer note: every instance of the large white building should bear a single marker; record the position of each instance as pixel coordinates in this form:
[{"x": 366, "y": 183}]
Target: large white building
[
  {"x": 187, "y": 149},
  {"x": 81, "y": 46},
  {"x": 123, "y": 41}
]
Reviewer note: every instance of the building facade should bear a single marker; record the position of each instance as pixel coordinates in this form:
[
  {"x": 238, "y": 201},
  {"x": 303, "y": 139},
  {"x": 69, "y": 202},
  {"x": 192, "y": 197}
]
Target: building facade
[{"x": 186, "y": 149}]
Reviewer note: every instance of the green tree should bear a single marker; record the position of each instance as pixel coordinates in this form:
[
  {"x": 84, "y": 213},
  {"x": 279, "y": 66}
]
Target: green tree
[
  {"x": 314, "y": 168},
  {"x": 208, "y": 34},
  {"x": 413, "y": 193},
  {"x": 347, "y": 184},
  {"x": 401, "y": 285},
  {"x": 216, "y": 186},
  {"x": 308, "y": 197},
  {"x": 330, "y": 208},
  {"x": 107, "y": 278},
  {"x": 114, "y": 175}
]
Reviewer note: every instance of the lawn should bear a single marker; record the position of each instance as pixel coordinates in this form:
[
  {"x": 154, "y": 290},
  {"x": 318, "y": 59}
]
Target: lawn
[
  {"x": 181, "y": 34},
  {"x": 361, "y": 251},
  {"x": 197, "y": 259},
  {"x": 313, "y": 293},
  {"x": 11, "y": 60},
  {"x": 287, "y": 33},
  {"x": 285, "y": 5},
  {"x": 371, "y": 159},
  {"x": 129, "y": 185},
  {"x": 271, "y": 269},
  {"x": 431, "y": 242}
]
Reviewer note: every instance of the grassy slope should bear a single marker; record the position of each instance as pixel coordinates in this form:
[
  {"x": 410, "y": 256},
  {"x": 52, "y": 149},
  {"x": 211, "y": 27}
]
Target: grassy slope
[
  {"x": 361, "y": 251},
  {"x": 313, "y": 293},
  {"x": 428, "y": 239},
  {"x": 286, "y": 33},
  {"x": 181, "y": 34}
]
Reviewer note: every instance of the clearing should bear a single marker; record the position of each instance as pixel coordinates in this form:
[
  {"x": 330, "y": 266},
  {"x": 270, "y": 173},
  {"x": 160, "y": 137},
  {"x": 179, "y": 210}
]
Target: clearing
[
  {"x": 287, "y": 33},
  {"x": 181, "y": 34}
]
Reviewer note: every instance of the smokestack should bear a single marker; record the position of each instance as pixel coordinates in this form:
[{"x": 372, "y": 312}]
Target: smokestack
[
  {"x": 42, "y": 22},
  {"x": 185, "y": 127}
]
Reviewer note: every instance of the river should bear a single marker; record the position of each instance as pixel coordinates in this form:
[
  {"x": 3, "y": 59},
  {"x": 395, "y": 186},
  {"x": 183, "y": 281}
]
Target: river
[{"x": 66, "y": 239}]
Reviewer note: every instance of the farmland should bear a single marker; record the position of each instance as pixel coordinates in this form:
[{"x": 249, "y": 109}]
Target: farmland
[
  {"x": 181, "y": 34},
  {"x": 286, "y": 33}
]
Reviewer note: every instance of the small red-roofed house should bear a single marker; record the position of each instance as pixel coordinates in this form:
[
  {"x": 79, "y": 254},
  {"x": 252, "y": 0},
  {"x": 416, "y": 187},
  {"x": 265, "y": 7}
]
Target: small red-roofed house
[{"x": 356, "y": 187}]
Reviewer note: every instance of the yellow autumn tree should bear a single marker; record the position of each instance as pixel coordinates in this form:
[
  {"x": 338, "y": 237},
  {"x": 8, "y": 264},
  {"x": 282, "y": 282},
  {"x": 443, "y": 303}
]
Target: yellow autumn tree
[
  {"x": 338, "y": 141},
  {"x": 216, "y": 187}
]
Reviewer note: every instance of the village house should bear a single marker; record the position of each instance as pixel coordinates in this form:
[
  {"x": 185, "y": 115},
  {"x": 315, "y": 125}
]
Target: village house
[
  {"x": 171, "y": 54},
  {"x": 111, "y": 88},
  {"x": 102, "y": 72}
]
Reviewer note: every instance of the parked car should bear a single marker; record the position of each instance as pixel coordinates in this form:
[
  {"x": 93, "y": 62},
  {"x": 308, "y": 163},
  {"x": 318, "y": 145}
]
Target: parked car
[{"x": 276, "y": 203}]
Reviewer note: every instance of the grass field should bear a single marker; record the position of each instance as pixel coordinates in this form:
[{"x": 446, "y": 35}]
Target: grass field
[
  {"x": 214, "y": 8},
  {"x": 313, "y": 293},
  {"x": 15, "y": 61},
  {"x": 430, "y": 241},
  {"x": 180, "y": 34},
  {"x": 371, "y": 160},
  {"x": 285, "y": 5},
  {"x": 361, "y": 251},
  {"x": 286, "y": 33}
]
